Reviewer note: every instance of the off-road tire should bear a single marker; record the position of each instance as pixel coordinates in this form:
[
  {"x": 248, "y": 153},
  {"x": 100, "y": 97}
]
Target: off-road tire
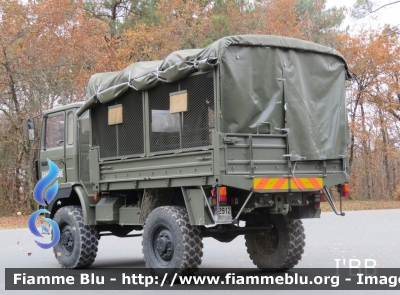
[
  {"x": 85, "y": 239},
  {"x": 168, "y": 227},
  {"x": 279, "y": 248}
]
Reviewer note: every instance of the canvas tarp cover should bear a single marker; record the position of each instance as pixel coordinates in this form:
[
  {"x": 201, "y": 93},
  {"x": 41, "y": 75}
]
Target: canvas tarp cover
[
  {"x": 260, "y": 77},
  {"x": 284, "y": 90}
]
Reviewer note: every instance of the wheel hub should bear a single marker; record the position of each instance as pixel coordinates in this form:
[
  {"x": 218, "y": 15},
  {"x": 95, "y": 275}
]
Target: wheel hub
[
  {"x": 67, "y": 240},
  {"x": 163, "y": 245}
]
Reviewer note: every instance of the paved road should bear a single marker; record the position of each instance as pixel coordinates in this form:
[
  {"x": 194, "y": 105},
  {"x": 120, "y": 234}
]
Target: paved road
[{"x": 360, "y": 235}]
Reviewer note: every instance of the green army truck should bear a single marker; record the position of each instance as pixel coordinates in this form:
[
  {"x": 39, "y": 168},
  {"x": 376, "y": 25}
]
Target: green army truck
[{"x": 244, "y": 137}]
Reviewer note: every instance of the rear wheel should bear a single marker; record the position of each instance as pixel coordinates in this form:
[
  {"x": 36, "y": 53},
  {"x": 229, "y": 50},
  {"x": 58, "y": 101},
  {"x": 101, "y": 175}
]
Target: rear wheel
[
  {"x": 280, "y": 247},
  {"x": 77, "y": 247},
  {"x": 170, "y": 243}
]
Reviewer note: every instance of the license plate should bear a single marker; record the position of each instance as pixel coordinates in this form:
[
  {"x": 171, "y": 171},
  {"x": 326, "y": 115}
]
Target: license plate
[{"x": 225, "y": 211}]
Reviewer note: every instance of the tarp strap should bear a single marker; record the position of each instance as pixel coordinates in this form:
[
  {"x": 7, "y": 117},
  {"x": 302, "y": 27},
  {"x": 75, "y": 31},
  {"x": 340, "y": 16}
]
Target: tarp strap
[{"x": 345, "y": 167}]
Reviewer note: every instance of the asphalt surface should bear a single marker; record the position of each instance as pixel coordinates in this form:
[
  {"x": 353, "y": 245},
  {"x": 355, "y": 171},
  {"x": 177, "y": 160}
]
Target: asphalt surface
[{"x": 359, "y": 235}]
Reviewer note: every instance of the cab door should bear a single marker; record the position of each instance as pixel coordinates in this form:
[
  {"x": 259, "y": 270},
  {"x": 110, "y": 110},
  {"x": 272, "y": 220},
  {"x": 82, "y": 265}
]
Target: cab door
[{"x": 53, "y": 144}]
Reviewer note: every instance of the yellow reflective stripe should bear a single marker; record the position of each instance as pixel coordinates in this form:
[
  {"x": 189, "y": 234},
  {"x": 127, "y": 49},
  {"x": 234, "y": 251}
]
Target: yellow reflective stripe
[
  {"x": 306, "y": 183},
  {"x": 270, "y": 183}
]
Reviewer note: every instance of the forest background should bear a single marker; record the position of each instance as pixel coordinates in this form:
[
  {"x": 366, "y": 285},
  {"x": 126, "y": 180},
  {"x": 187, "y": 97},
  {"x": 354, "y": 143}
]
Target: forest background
[{"x": 50, "y": 48}]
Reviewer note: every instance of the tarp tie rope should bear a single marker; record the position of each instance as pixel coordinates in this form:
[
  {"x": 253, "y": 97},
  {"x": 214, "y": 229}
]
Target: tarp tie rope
[
  {"x": 294, "y": 178},
  {"x": 98, "y": 91},
  {"x": 157, "y": 72},
  {"x": 294, "y": 168}
]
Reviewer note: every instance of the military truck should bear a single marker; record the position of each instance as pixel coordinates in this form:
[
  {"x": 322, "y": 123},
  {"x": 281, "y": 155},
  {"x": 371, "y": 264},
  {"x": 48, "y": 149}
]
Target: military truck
[{"x": 244, "y": 137}]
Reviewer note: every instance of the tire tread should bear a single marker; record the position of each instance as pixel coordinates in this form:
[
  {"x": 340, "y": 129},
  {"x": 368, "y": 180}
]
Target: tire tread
[
  {"x": 89, "y": 239},
  {"x": 192, "y": 239},
  {"x": 295, "y": 230}
]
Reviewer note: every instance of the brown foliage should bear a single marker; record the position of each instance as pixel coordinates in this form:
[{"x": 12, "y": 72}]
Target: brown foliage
[
  {"x": 373, "y": 101},
  {"x": 49, "y": 49},
  {"x": 188, "y": 24}
]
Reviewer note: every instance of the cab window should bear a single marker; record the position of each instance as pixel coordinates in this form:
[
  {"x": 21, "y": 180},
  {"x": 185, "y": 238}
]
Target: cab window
[
  {"x": 70, "y": 132},
  {"x": 55, "y": 131}
]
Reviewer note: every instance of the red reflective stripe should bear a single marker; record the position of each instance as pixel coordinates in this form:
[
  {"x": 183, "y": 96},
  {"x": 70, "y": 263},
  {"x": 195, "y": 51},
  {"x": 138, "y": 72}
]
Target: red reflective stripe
[
  {"x": 314, "y": 183},
  {"x": 263, "y": 182},
  {"x": 279, "y": 183}
]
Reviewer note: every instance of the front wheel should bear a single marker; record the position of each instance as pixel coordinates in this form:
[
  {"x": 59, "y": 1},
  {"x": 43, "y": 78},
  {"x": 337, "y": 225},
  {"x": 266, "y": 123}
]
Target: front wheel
[
  {"x": 77, "y": 247},
  {"x": 170, "y": 242},
  {"x": 280, "y": 247}
]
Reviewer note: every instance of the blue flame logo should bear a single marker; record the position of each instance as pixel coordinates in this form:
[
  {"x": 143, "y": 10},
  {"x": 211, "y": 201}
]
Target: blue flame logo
[
  {"x": 44, "y": 182},
  {"x": 49, "y": 196}
]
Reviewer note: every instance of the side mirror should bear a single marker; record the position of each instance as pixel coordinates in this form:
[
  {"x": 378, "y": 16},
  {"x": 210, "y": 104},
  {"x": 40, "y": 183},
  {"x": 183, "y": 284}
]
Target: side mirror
[{"x": 31, "y": 129}]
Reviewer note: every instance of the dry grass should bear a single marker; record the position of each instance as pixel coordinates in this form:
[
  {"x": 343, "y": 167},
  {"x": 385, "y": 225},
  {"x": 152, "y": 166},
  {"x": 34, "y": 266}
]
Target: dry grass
[
  {"x": 16, "y": 221},
  {"x": 21, "y": 221},
  {"x": 353, "y": 205}
]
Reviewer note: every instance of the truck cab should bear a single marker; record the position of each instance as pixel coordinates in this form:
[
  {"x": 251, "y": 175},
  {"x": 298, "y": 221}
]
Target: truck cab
[{"x": 58, "y": 142}]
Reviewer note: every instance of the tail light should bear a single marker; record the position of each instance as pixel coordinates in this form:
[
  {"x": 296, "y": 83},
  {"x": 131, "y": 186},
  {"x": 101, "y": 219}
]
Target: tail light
[
  {"x": 316, "y": 206},
  {"x": 223, "y": 197},
  {"x": 319, "y": 198},
  {"x": 345, "y": 190},
  {"x": 212, "y": 201}
]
